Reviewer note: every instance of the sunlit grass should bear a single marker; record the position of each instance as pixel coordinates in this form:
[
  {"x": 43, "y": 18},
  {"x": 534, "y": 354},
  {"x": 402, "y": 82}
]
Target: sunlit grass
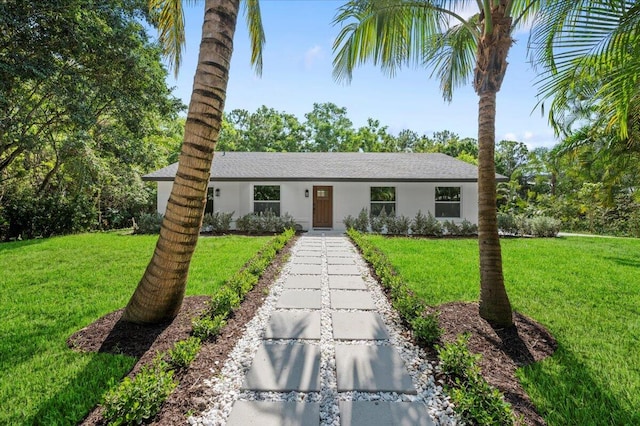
[
  {"x": 51, "y": 288},
  {"x": 586, "y": 291}
]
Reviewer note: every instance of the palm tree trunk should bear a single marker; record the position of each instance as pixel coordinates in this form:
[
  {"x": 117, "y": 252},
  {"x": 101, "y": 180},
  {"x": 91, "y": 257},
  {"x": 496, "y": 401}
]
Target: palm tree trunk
[
  {"x": 491, "y": 66},
  {"x": 159, "y": 294}
]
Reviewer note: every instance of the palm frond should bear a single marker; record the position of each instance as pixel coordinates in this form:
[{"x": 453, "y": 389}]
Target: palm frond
[
  {"x": 256, "y": 33},
  {"x": 396, "y": 33},
  {"x": 169, "y": 18}
]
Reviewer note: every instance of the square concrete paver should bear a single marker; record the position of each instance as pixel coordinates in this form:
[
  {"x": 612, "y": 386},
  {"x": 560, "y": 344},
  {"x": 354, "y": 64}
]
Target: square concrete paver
[
  {"x": 294, "y": 325},
  {"x": 303, "y": 281},
  {"x": 285, "y": 368},
  {"x": 340, "y": 253},
  {"x": 358, "y": 326},
  {"x": 352, "y": 299},
  {"x": 316, "y": 260},
  {"x": 301, "y": 269},
  {"x": 309, "y": 253},
  {"x": 262, "y": 413},
  {"x": 300, "y": 299},
  {"x": 351, "y": 260},
  {"x": 346, "y": 282},
  {"x": 378, "y": 413},
  {"x": 371, "y": 369},
  {"x": 343, "y": 270}
]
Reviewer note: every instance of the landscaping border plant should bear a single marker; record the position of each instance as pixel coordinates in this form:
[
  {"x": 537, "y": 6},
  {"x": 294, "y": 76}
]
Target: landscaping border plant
[
  {"x": 137, "y": 400},
  {"x": 477, "y": 402}
]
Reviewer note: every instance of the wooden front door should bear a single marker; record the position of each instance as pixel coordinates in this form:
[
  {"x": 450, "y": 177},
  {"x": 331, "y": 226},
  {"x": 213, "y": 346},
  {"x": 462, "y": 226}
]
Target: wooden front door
[{"x": 322, "y": 206}]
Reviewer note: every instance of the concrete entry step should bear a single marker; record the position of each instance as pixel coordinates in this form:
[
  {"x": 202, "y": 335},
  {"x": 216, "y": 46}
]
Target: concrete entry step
[
  {"x": 309, "y": 252},
  {"x": 343, "y": 270},
  {"x": 303, "y": 281},
  {"x": 340, "y": 253},
  {"x": 293, "y": 325},
  {"x": 379, "y": 413},
  {"x": 358, "y": 326},
  {"x": 261, "y": 413},
  {"x": 285, "y": 368},
  {"x": 300, "y": 299},
  {"x": 371, "y": 369},
  {"x": 347, "y": 282},
  {"x": 352, "y": 299}
]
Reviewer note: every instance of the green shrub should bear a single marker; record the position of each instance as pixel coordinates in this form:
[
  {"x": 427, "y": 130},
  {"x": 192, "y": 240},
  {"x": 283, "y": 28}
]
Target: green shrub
[
  {"x": 148, "y": 223},
  {"x": 223, "y": 302},
  {"x": 467, "y": 228},
  {"x": 135, "y": 401},
  {"x": 544, "y": 226},
  {"x": 217, "y": 222},
  {"x": 451, "y": 228},
  {"x": 507, "y": 223},
  {"x": 242, "y": 282},
  {"x": 378, "y": 222},
  {"x": 285, "y": 222},
  {"x": 408, "y": 306},
  {"x": 207, "y": 327},
  {"x": 256, "y": 223},
  {"x": 457, "y": 361},
  {"x": 398, "y": 225},
  {"x": 183, "y": 352},
  {"x": 426, "y": 329},
  {"x": 349, "y": 222},
  {"x": 426, "y": 225},
  {"x": 362, "y": 221}
]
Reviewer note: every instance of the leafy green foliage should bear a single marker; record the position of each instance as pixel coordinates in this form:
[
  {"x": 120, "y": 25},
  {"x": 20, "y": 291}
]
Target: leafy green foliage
[
  {"x": 256, "y": 223},
  {"x": 183, "y": 352},
  {"x": 224, "y": 301},
  {"x": 426, "y": 329},
  {"x": 135, "y": 401},
  {"x": 361, "y": 223},
  {"x": 378, "y": 223},
  {"x": 86, "y": 112},
  {"x": 426, "y": 225},
  {"x": 398, "y": 225},
  {"x": 475, "y": 400},
  {"x": 148, "y": 223},
  {"x": 217, "y": 222},
  {"x": 207, "y": 327}
]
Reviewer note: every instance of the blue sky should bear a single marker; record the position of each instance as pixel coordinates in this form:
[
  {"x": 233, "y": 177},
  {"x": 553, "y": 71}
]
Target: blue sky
[{"x": 297, "y": 72}]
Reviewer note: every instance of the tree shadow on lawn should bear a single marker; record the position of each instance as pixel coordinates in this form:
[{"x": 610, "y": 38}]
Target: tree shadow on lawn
[
  {"x": 566, "y": 392},
  {"x": 634, "y": 263}
]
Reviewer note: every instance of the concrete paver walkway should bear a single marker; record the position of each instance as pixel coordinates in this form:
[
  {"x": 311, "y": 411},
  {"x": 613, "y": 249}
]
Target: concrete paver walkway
[{"x": 326, "y": 304}]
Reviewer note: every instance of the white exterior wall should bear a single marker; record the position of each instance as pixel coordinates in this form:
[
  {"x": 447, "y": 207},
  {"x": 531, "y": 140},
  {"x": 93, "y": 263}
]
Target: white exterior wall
[{"x": 348, "y": 198}]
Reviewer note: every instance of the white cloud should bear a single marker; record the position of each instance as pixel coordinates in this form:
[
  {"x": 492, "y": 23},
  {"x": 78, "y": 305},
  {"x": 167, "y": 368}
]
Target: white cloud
[
  {"x": 510, "y": 137},
  {"x": 528, "y": 135},
  {"x": 313, "y": 55}
]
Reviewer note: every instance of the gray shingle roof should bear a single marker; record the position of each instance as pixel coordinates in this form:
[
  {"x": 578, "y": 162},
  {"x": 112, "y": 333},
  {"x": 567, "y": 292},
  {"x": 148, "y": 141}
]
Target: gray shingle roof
[{"x": 332, "y": 166}]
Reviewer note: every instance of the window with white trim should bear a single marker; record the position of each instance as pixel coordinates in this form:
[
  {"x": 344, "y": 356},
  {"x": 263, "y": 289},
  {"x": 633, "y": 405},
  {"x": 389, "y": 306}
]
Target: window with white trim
[
  {"x": 266, "y": 197},
  {"x": 383, "y": 198},
  {"x": 448, "y": 201}
]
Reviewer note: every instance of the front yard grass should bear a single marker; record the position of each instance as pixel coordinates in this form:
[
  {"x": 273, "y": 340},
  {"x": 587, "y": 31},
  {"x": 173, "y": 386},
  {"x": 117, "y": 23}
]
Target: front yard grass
[
  {"x": 586, "y": 291},
  {"x": 51, "y": 288}
]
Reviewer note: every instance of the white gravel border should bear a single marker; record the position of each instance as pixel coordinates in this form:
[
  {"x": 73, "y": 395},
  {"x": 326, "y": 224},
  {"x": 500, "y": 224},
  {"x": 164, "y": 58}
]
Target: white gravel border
[{"x": 223, "y": 389}]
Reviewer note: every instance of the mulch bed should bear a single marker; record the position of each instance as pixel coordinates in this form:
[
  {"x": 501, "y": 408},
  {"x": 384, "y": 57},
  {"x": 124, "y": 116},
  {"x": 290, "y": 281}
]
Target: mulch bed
[{"x": 503, "y": 351}]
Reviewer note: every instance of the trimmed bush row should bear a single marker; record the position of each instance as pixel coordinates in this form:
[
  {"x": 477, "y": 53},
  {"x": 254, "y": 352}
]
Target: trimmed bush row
[
  {"x": 476, "y": 401},
  {"x": 401, "y": 225},
  {"x": 256, "y": 223},
  {"x": 139, "y": 399},
  {"x": 539, "y": 226}
]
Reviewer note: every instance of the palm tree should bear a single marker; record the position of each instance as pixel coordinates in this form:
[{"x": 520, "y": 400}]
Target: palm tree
[
  {"x": 158, "y": 296},
  {"x": 393, "y": 33}
]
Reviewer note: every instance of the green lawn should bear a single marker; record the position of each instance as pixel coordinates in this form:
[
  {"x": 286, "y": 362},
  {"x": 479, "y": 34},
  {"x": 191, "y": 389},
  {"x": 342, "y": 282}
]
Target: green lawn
[
  {"x": 51, "y": 288},
  {"x": 586, "y": 291}
]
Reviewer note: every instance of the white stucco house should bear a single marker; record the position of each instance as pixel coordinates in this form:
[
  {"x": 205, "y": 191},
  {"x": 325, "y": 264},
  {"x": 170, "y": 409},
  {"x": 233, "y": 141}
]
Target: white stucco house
[{"x": 320, "y": 189}]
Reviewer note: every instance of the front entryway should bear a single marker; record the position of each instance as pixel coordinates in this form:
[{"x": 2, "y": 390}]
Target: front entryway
[{"x": 322, "y": 206}]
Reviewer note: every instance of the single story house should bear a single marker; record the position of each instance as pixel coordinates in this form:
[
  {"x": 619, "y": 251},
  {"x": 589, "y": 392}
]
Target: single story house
[{"x": 320, "y": 189}]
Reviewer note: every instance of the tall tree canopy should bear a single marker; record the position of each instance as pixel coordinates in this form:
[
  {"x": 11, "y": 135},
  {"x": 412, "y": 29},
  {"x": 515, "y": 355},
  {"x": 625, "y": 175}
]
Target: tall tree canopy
[{"x": 82, "y": 97}]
